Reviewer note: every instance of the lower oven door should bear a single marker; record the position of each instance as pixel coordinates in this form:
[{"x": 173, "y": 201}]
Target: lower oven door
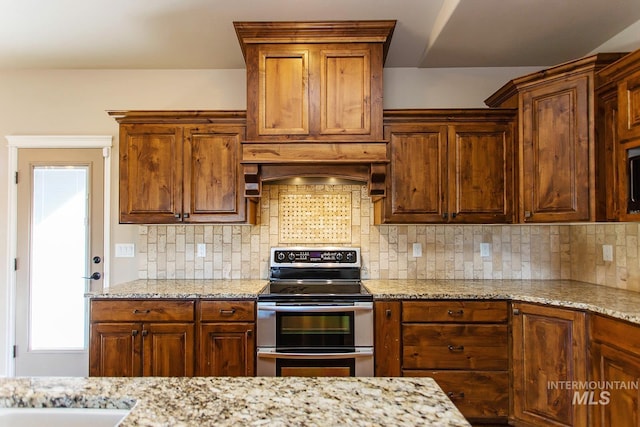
[{"x": 358, "y": 363}]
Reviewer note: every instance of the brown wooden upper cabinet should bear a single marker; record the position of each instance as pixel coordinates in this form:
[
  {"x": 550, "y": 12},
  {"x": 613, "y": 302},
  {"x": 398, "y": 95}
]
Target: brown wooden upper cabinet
[
  {"x": 178, "y": 169},
  {"x": 618, "y": 91},
  {"x": 314, "y": 81},
  {"x": 555, "y": 159},
  {"x": 448, "y": 166}
]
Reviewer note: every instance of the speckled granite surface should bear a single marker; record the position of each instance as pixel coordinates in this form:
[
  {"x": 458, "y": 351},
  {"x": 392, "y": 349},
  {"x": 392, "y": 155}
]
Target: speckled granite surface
[
  {"x": 187, "y": 288},
  {"x": 258, "y": 401},
  {"x": 616, "y": 303}
]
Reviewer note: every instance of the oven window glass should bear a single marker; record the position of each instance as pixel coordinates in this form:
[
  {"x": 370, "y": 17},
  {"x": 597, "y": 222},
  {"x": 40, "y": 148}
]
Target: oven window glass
[
  {"x": 312, "y": 330},
  {"x": 316, "y": 368}
]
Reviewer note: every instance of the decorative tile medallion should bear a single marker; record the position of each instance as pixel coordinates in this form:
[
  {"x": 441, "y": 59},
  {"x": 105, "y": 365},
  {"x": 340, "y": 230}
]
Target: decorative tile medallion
[{"x": 314, "y": 218}]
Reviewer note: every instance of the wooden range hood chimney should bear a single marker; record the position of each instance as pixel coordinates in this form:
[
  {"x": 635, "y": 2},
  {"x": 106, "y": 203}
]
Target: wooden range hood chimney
[{"x": 314, "y": 101}]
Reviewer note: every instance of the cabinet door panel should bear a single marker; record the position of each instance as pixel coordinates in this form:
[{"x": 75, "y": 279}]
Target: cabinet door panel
[
  {"x": 480, "y": 171},
  {"x": 417, "y": 185},
  {"x": 283, "y": 84},
  {"x": 212, "y": 181},
  {"x": 345, "y": 100},
  {"x": 150, "y": 176},
  {"x": 168, "y": 349},
  {"x": 556, "y": 139},
  {"x": 629, "y": 102},
  {"x": 227, "y": 349},
  {"x": 615, "y": 367},
  {"x": 549, "y": 347},
  {"x": 115, "y": 350}
]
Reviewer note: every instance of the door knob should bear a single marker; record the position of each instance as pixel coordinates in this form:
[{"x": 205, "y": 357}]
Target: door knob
[{"x": 94, "y": 276}]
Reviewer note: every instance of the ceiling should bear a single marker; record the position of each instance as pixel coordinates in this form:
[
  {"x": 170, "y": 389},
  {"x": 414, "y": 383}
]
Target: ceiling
[{"x": 199, "y": 34}]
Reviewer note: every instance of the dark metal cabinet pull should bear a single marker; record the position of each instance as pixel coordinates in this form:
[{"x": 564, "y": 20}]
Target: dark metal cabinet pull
[
  {"x": 516, "y": 311},
  {"x": 186, "y": 215},
  {"x": 134, "y": 333},
  {"x": 455, "y": 313},
  {"x": 456, "y": 348},
  {"x": 228, "y": 312},
  {"x": 455, "y": 396},
  {"x": 387, "y": 312},
  {"x": 136, "y": 311},
  {"x": 145, "y": 333},
  {"x": 177, "y": 215}
]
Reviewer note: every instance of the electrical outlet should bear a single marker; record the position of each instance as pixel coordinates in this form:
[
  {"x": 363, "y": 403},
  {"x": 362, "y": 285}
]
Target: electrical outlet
[
  {"x": 485, "y": 250},
  {"x": 607, "y": 253},
  {"x": 417, "y": 250},
  {"x": 202, "y": 250},
  {"x": 125, "y": 250}
]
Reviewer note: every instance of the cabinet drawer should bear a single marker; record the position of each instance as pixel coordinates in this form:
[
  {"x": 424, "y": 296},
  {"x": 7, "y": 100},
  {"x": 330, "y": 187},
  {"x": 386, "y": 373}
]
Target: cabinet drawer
[
  {"x": 227, "y": 311},
  {"x": 477, "y": 394},
  {"x": 142, "y": 311},
  {"x": 438, "y": 346},
  {"x": 455, "y": 311}
]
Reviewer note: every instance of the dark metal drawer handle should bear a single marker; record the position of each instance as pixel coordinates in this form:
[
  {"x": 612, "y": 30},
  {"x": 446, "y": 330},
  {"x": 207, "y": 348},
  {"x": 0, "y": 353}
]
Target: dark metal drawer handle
[
  {"x": 136, "y": 311},
  {"x": 388, "y": 313},
  {"x": 455, "y": 396},
  {"x": 456, "y": 348},
  {"x": 456, "y": 313},
  {"x": 228, "y": 312}
]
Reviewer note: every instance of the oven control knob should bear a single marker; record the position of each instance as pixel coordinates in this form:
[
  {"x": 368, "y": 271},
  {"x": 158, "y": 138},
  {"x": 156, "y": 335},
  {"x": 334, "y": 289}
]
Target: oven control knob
[
  {"x": 280, "y": 256},
  {"x": 292, "y": 256},
  {"x": 350, "y": 257},
  {"x": 339, "y": 256}
]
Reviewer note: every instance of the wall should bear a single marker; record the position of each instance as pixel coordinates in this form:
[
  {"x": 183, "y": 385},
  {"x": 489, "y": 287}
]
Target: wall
[
  {"x": 449, "y": 251},
  {"x": 74, "y": 102}
]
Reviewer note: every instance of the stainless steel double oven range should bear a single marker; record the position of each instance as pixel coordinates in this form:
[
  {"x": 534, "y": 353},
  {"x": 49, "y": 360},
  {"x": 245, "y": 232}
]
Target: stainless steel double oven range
[{"x": 314, "y": 317}]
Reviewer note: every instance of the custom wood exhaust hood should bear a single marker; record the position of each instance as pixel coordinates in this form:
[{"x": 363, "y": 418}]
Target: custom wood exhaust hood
[{"x": 314, "y": 101}]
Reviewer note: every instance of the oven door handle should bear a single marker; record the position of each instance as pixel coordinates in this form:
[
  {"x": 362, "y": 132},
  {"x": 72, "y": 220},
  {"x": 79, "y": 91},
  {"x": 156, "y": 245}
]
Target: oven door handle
[
  {"x": 307, "y": 356},
  {"x": 314, "y": 308}
]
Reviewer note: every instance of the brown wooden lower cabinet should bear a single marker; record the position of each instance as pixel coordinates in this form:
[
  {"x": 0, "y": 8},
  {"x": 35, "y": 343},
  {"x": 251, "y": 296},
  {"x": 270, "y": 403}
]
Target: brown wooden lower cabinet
[
  {"x": 548, "y": 350},
  {"x": 227, "y": 349},
  {"x": 615, "y": 366},
  {"x": 162, "y": 338},
  {"x": 141, "y": 349},
  {"x": 477, "y": 394},
  {"x": 227, "y": 343},
  {"x": 142, "y": 338},
  {"x": 463, "y": 345}
]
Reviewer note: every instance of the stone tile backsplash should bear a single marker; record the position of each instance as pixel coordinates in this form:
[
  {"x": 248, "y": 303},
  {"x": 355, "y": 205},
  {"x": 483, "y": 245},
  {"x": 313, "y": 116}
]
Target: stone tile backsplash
[{"x": 566, "y": 251}]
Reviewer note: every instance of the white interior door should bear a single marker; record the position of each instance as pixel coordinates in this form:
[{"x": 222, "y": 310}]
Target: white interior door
[{"x": 59, "y": 257}]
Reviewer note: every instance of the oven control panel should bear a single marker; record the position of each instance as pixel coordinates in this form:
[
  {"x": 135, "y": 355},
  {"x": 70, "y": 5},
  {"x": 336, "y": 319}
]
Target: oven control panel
[{"x": 284, "y": 256}]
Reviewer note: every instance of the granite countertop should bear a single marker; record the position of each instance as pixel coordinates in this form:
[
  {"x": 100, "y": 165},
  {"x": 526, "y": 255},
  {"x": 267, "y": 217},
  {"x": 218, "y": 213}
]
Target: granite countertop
[
  {"x": 184, "y": 288},
  {"x": 616, "y": 303},
  {"x": 255, "y": 401},
  {"x": 612, "y": 302}
]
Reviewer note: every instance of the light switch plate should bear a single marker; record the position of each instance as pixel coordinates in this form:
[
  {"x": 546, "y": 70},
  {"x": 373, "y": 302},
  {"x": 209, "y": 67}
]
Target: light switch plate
[
  {"x": 125, "y": 250},
  {"x": 607, "y": 253},
  {"x": 417, "y": 250},
  {"x": 485, "y": 250}
]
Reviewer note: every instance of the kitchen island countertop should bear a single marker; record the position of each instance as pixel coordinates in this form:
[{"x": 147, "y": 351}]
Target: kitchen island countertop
[
  {"x": 617, "y": 303},
  {"x": 257, "y": 401}
]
